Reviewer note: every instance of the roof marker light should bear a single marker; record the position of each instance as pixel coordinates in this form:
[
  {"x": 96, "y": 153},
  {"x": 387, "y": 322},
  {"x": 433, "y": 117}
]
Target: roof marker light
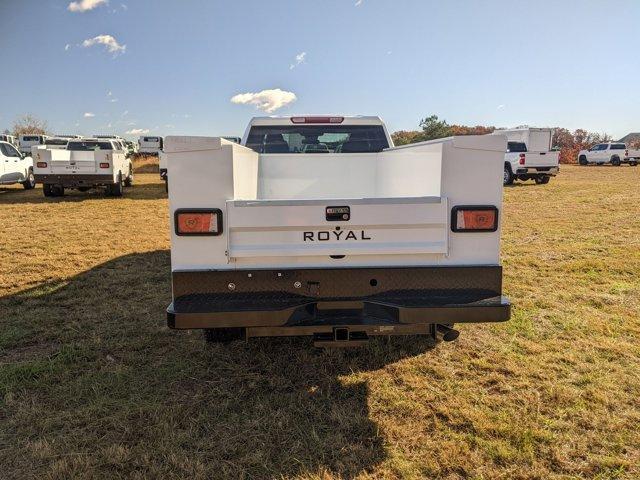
[{"x": 317, "y": 119}]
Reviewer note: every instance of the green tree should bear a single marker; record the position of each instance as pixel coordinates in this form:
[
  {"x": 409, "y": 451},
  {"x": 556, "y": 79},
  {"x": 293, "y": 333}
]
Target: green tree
[{"x": 433, "y": 128}]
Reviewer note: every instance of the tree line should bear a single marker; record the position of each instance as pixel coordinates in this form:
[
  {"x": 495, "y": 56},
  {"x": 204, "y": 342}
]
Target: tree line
[{"x": 567, "y": 142}]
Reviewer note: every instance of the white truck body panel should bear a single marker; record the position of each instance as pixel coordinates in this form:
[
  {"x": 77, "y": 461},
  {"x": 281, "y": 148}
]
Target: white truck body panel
[{"x": 418, "y": 182}]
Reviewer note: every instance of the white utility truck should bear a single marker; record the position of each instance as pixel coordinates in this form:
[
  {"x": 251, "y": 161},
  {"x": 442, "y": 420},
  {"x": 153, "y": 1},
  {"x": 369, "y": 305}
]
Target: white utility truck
[
  {"x": 344, "y": 240},
  {"x": 26, "y": 141},
  {"x": 15, "y": 167},
  {"x": 85, "y": 163},
  {"x": 150, "y": 145},
  {"x": 529, "y": 155},
  {"x": 615, "y": 153},
  {"x": 9, "y": 139}
]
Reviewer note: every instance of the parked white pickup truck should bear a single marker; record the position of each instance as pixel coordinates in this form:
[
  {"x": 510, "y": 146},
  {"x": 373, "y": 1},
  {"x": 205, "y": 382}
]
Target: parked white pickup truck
[
  {"x": 85, "y": 163},
  {"x": 15, "y": 167},
  {"x": 529, "y": 155},
  {"x": 341, "y": 241},
  {"x": 615, "y": 153}
]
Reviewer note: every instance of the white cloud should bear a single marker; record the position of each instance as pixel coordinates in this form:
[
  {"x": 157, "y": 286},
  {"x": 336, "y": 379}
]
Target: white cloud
[
  {"x": 359, "y": 2},
  {"x": 300, "y": 58},
  {"x": 137, "y": 131},
  {"x": 113, "y": 100},
  {"x": 500, "y": 107},
  {"x": 67, "y": 47},
  {"x": 85, "y": 5},
  {"x": 89, "y": 115},
  {"x": 125, "y": 113},
  {"x": 108, "y": 41},
  {"x": 124, "y": 7},
  {"x": 267, "y": 100}
]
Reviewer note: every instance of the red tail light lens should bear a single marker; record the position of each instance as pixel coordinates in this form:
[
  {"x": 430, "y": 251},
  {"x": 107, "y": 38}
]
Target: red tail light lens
[
  {"x": 474, "y": 218},
  {"x": 317, "y": 119},
  {"x": 41, "y": 164},
  {"x": 522, "y": 157},
  {"x": 198, "y": 221},
  {"x": 104, "y": 165}
]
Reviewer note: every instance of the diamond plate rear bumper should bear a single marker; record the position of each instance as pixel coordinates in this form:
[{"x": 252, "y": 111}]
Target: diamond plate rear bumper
[{"x": 384, "y": 300}]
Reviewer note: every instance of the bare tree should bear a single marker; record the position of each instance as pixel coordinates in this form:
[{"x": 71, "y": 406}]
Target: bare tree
[{"x": 29, "y": 124}]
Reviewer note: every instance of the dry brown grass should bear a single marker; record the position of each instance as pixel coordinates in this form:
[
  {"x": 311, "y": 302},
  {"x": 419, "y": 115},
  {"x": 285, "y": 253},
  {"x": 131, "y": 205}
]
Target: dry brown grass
[
  {"x": 93, "y": 385},
  {"x": 146, "y": 164}
]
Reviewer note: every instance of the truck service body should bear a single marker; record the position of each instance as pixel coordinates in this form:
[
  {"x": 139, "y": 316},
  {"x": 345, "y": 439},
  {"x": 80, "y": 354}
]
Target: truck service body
[
  {"x": 319, "y": 226},
  {"x": 84, "y": 163},
  {"x": 529, "y": 155},
  {"x": 28, "y": 140},
  {"x": 150, "y": 145}
]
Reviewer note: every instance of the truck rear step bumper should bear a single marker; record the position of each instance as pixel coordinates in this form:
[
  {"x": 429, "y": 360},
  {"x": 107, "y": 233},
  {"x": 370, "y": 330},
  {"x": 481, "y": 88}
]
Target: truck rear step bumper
[
  {"x": 75, "y": 180},
  {"x": 377, "y": 301}
]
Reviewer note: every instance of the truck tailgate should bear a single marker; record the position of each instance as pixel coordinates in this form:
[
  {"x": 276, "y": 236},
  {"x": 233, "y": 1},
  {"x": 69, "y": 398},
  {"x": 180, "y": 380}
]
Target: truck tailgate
[
  {"x": 541, "y": 159},
  {"x": 286, "y": 228},
  {"x": 69, "y": 162}
]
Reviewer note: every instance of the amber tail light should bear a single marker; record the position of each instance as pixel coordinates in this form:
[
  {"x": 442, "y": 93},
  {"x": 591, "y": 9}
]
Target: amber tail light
[
  {"x": 198, "y": 221},
  {"x": 474, "y": 218}
]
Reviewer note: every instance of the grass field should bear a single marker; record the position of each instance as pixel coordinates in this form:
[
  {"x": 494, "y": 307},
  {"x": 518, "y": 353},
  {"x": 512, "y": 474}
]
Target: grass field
[{"x": 93, "y": 384}]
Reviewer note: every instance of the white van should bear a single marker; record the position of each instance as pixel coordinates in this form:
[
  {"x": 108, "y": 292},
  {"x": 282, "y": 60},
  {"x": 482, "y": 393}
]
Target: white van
[{"x": 150, "y": 145}]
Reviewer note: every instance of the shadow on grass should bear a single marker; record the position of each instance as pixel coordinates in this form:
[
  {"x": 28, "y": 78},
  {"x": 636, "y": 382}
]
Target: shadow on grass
[
  {"x": 145, "y": 191},
  {"x": 91, "y": 370}
]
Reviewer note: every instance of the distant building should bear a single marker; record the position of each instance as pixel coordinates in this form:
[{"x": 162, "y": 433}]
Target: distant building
[{"x": 631, "y": 138}]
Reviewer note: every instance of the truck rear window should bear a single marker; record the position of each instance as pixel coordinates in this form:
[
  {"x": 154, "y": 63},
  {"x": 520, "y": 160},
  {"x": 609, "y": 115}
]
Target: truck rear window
[
  {"x": 56, "y": 141},
  {"x": 31, "y": 139},
  {"x": 517, "y": 147},
  {"x": 317, "y": 139},
  {"x": 88, "y": 146}
]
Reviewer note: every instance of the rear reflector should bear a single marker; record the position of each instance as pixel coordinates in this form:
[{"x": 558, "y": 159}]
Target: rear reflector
[
  {"x": 41, "y": 164},
  {"x": 104, "y": 165},
  {"x": 317, "y": 119},
  {"x": 474, "y": 218},
  {"x": 198, "y": 221}
]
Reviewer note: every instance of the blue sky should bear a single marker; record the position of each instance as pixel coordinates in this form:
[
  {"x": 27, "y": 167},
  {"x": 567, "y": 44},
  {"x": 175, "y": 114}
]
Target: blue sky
[{"x": 175, "y": 65}]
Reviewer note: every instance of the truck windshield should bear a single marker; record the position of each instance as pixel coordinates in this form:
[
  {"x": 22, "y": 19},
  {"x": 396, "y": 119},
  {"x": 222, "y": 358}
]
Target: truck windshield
[
  {"x": 56, "y": 141},
  {"x": 317, "y": 139},
  {"x": 89, "y": 145}
]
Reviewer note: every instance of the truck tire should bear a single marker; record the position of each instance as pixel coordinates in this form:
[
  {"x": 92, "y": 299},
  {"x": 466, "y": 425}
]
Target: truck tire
[
  {"x": 633, "y": 163},
  {"x": 508, "y": 177},
  {"x": 115, "y": 189},
  {"x": 615, "y": 161},
  {"x": 583, "y": 160},
  {"x": 47, "y": 189},
  {"x": 128, "y": 182},
  {"x": 30, "y": 182},
  {"x": 224, "y": 335},
  {"x": 542, "y": 179}
]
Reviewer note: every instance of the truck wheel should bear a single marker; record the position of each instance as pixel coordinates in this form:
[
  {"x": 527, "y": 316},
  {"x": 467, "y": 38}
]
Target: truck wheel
[
  {"x": 128, "y": 182},
  {"x": 542, "y": 180},
  {"x": 115, "y": 189},
  {"x": 47, "y": 189},
  {"x": 224, "y": 335},
  {"x": 508, "y": 175},
  {"x": 615, "y": 161},
  {"x": 633, "y": 163},
  {"x": 583, "y": 160},
  {"x": 30, "y": 182}
]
